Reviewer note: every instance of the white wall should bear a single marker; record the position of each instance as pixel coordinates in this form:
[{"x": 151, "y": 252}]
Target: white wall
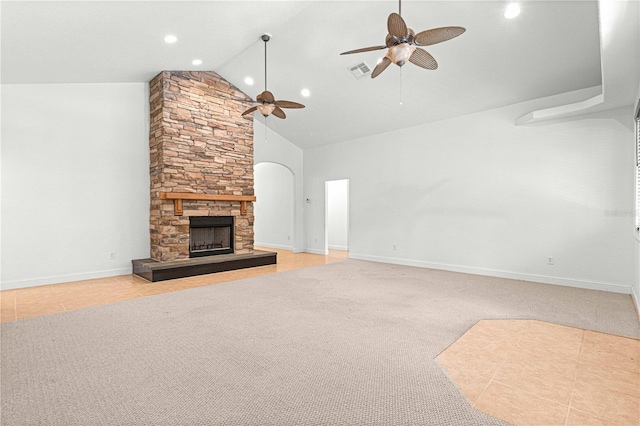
[
  {"x": 636, "y": 286},
  {"x": 274, "y": 207},
  {"x": 75, "y": 181},
  {"x": 478, "y": 194},
  {"x": 338, "y": 214},
  {"x": 473, "y": 193},
  {"x": 278, "y": 150}
]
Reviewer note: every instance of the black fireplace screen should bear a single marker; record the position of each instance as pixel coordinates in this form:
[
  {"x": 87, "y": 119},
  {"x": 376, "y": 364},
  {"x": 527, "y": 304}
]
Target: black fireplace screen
[{"x": 210, "y": 235}]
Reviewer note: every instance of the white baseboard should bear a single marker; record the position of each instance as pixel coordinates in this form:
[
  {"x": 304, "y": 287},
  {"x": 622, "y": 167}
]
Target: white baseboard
[
  {"x": 274, "y": 246},
  {"x": 636, "y": 301},
  {"x": 316, "y": 251},
  {"x": 569, "y": 282},
  {"x": 291, "y": 248},
  {"x": 342, "y": 248},
  {"x": 10, "y": 285}
]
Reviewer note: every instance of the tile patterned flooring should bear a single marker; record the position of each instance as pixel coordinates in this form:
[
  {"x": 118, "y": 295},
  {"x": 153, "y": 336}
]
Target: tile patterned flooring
[
  {"x": 529, "y": 372},
  {"x": 523, "y": 372}
]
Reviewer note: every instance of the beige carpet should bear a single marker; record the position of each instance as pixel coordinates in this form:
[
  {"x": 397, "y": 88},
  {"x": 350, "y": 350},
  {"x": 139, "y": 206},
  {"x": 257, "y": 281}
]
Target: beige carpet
[{"x": 350, "y": 343}]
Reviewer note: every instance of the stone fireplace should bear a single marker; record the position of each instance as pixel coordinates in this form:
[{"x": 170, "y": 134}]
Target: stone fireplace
[
  {"x": 199, "y": 144},
  {"x": 201, "y": 176}
]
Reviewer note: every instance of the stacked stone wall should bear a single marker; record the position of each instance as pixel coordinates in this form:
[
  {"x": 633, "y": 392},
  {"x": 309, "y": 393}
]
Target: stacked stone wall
[{"x": 199, "y": 143}]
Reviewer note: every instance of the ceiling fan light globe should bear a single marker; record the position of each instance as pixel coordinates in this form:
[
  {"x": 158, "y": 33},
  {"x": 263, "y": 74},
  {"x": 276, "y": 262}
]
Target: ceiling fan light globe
[
  {"x": 400, "y": 53},
  {"x": 266, "y": 109}
]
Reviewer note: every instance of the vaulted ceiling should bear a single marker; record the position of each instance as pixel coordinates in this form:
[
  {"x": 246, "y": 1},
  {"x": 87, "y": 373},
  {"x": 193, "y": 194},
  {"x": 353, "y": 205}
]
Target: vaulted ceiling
[{"x": 552, "y": 47}]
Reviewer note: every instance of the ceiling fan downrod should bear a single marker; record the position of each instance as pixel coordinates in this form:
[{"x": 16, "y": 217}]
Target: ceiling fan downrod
[{"x": 265, "y": 37}]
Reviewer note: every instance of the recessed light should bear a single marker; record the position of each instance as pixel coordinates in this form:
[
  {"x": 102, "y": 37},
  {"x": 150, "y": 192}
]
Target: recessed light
[
  {"x": 197, "y": 62},
  {"x": 248, "y": 80},
  {"x": 305, "y": 93},
  {"x": 512, "y": 11},
  {"x": 170, "y": 38}
]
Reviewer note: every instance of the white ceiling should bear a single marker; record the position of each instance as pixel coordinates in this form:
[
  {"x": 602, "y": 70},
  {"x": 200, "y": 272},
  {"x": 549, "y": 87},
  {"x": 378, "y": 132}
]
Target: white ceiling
[{"x": 552, "y": 47}]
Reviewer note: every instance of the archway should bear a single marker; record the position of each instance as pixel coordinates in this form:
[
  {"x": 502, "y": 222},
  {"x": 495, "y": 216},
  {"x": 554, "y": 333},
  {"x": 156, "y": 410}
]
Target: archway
[{"x": 274, "y": 210}]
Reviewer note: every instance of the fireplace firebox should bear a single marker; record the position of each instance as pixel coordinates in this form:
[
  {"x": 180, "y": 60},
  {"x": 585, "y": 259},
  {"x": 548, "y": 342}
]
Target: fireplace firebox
[{"x": 210, "y": 235}]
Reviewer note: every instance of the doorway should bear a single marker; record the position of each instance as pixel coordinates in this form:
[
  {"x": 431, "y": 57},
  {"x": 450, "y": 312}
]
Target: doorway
[{"x": 337, "y": 215}]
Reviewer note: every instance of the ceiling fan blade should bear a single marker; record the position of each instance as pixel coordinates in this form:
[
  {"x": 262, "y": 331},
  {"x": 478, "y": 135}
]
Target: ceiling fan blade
[
  {"x": 279, "y": 113},
  {"x": 265, "y": 96},
  {"x": 250, "y": 110},
  {"x": 396, "y": 26},
  {"x": 437, "y": 35},
  {"x": 288, "y": 104},
  {"x": 422, "y": 58},
  {"x": 381, "y": 67},
  {"x": 364, "y": 49}
]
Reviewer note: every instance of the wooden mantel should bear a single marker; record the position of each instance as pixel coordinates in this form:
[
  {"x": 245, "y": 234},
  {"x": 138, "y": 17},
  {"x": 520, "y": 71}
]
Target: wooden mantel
[{"x": 177, "y": 198}]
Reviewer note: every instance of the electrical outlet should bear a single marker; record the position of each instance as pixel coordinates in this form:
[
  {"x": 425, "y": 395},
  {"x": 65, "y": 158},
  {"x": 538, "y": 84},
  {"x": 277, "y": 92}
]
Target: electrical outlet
[
  {"x": 550, "y": 260},
  {"x": 112, "y": 255}
]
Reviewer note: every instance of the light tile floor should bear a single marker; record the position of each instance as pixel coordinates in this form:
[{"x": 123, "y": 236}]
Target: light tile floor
[
  {"x": 523, "y": 372},
  {"x": 538, "y": 373},
  {"x": 50, "y": 299}
]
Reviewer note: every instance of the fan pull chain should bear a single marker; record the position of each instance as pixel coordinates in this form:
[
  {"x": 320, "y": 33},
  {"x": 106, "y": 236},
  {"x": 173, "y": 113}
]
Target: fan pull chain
[{"x": 400, "y": 86}]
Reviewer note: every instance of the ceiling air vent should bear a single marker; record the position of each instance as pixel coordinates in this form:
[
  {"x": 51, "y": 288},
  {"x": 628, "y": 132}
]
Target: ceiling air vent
[{"x": 359, "y": 70}]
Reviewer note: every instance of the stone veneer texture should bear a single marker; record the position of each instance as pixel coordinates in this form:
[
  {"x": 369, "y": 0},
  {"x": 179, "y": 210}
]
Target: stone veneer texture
[{"x": 200, "y": 143}]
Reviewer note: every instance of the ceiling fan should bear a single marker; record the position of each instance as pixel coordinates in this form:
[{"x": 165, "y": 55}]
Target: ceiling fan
[
  {"x": 267, "y": 104},
  {"x": 403, "y": 43}
]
